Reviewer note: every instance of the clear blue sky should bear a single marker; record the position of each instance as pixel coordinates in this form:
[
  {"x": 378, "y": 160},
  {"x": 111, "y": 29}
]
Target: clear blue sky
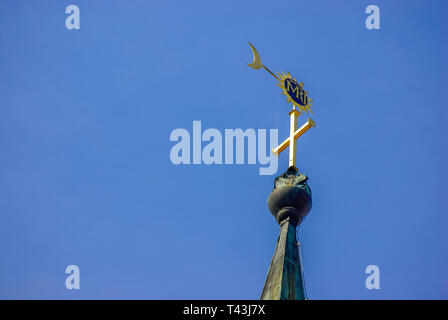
[{"x": 85, "y": 173}]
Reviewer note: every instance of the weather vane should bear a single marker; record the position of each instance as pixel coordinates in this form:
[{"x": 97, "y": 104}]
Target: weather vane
[{"x": 295, "y": 94}]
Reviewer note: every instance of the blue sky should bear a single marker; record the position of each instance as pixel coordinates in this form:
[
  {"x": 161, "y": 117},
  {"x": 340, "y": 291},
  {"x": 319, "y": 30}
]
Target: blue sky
[{"x": 85, "y": 172}]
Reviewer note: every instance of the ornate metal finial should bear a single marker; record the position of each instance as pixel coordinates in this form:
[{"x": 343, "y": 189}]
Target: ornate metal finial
[{"x": 301, "y": 104}]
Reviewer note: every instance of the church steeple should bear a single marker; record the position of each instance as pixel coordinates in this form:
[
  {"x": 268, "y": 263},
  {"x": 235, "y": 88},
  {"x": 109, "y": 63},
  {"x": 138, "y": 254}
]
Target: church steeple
[
  {"x": 284, "y": 280},
  {"x": 289, "y": 202}
]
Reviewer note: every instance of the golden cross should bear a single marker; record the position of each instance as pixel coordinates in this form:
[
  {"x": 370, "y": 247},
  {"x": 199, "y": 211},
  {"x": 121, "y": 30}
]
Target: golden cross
[{"x": 294, "y": 134}]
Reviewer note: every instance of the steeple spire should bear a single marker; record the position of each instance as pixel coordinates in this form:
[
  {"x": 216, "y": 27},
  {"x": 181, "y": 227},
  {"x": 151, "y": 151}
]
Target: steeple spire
[
  {"x": 284, "y": 280},
  {"x": 289, "y": 203}
]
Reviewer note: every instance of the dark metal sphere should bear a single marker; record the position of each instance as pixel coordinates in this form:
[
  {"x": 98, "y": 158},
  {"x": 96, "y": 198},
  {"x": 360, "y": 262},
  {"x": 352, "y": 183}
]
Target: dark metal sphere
[{"x": 291, "y": 197}]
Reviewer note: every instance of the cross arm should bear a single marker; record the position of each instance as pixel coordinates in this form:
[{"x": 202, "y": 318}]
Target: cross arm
[{"x": 285, "y": 144}]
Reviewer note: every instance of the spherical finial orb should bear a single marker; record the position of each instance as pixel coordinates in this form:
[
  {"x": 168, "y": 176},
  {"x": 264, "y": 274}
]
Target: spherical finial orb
[{"x": 291, "y": 197}]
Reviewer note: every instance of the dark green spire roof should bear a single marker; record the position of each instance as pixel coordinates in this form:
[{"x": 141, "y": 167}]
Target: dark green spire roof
[{"x": 284, "y": 280}]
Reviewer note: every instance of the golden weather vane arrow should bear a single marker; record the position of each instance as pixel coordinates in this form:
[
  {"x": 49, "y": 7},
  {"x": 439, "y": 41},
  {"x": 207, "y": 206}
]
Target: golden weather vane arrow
[{"x": 299, "y": 98}]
